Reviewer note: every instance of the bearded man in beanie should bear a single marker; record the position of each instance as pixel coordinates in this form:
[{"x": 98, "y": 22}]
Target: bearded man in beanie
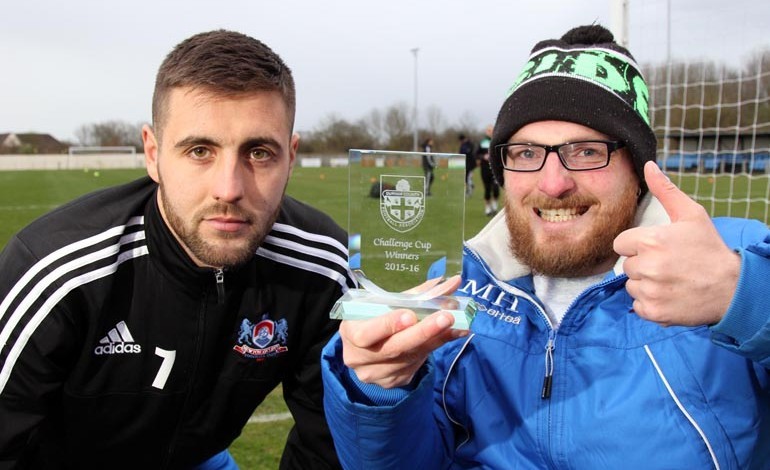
[{"x": 618, "y": 326}]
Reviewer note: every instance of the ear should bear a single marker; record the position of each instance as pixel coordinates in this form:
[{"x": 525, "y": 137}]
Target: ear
[
  {"x": 294, "y": 146},
  {"x": 150, "y": 152}
]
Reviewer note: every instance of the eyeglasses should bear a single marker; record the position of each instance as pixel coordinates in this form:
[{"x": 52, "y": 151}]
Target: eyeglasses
[{"x": 575, "y": 156}]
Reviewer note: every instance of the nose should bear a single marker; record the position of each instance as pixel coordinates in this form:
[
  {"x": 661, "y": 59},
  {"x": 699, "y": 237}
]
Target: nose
[
  {"x": 555, "y": 180},
  {"x": 227, "y": 184}
]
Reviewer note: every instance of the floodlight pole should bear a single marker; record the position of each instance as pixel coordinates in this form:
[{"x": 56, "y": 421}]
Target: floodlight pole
[
  {"x": 667, "y": 131},
  {"x": 619, "y": 19},
  {"x": 414, "y": 111}
]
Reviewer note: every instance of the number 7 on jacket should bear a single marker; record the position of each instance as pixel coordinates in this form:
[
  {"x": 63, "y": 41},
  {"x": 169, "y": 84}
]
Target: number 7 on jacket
[{"x": 165, "y": 367}]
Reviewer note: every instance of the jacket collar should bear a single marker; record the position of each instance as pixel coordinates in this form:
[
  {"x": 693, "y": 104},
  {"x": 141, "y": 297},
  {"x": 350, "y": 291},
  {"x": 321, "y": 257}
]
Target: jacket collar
[
  {"x": 492, "y": 242},
  {"x": 169, "y": 256}
]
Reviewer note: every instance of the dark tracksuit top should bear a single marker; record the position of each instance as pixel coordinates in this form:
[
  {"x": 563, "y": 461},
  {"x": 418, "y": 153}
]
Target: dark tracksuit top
[{"x": 116, "y": 351}]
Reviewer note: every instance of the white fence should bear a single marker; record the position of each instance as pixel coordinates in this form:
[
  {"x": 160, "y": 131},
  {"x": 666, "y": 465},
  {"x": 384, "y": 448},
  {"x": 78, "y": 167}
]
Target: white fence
[
  {"x": 70, "y": 162},
  {"x": 120, "y": 160}
]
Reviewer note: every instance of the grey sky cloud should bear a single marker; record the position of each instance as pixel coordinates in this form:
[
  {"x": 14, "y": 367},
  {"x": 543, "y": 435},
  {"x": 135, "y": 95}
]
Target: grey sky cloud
[{"x": 65, "y": 64}]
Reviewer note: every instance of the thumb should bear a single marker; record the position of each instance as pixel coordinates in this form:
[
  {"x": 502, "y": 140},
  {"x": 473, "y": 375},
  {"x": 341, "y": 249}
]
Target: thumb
[{"x": 677, "y": 204}]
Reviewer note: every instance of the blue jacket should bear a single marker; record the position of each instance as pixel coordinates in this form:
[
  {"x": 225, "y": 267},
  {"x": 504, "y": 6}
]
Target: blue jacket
[{"x": 624, "y": 393}]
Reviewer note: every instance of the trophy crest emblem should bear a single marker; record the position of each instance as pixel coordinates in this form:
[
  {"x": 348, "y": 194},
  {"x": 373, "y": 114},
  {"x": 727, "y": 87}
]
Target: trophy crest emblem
[{"x": 403, "y": 207}]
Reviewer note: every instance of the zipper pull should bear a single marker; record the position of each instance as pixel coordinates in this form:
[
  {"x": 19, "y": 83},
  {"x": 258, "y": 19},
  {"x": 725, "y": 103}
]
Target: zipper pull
[
  {"x": 219, "y": 274},
  {"x": 548, "y": 379}
]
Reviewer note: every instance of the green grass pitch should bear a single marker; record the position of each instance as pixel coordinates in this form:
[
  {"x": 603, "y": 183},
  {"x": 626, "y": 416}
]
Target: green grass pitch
[{"x": 25, "y": 195}]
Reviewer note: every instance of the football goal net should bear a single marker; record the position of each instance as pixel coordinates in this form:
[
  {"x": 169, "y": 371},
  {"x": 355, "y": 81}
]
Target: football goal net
[
  {"x": 713, "y": 126},
  {"x": 709, "y": 100}
]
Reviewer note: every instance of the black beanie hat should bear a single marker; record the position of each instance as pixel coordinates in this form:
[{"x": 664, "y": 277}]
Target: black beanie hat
[{"x": 585, "y": 78}]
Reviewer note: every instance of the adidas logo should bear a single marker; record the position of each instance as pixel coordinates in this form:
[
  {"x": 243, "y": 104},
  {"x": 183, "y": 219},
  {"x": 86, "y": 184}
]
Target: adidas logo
[{"x": 118, "y": 341}]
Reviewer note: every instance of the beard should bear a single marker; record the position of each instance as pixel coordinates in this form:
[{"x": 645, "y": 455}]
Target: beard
[
  {"x": 570, "y": 254},
  {"x": 226, "y": 250}
]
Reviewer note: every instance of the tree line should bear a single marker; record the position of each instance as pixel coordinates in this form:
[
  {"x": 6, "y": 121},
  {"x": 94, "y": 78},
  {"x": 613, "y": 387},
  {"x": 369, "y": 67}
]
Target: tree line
[
  {"x": 697, "y": 95},
  {"x": 712, "y": 97},
  {"x": 384, "y": 129}
]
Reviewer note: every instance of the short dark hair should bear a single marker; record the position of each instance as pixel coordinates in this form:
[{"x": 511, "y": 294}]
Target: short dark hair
[{"x": 222, "y": 62}]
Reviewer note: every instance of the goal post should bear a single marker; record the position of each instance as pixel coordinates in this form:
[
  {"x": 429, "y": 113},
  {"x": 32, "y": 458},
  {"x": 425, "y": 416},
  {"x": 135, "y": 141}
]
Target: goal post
[{"x": 102, "y": 157}]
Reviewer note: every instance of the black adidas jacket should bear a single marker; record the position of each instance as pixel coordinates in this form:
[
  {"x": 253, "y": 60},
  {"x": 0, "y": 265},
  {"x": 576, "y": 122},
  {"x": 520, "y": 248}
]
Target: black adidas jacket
[{"x": 116, "y": 351}]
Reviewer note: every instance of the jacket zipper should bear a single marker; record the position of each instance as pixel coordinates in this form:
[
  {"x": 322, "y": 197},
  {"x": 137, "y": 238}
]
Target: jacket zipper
[
  {"x": 194, "y": 372},
  {"x": 219, "y": 274},
  {"x": 550, "y": 345},
  {"x": 548, "y": 379}
]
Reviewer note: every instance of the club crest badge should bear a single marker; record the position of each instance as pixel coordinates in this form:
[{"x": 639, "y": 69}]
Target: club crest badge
[
  {"x": 265, "y": 338},
  {"x": 403, "y": 207}
]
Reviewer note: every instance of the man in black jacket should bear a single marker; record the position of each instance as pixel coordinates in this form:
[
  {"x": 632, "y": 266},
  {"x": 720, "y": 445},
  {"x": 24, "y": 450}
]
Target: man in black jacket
[
  {"x": 466, "y": 148},
  {"x": 141, "y": 325}
]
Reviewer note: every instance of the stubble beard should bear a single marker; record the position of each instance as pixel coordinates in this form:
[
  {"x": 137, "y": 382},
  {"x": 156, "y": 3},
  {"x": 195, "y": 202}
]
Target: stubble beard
[
  {"x": 209, "y": 252},
  {"x": 562, "y": 256}
]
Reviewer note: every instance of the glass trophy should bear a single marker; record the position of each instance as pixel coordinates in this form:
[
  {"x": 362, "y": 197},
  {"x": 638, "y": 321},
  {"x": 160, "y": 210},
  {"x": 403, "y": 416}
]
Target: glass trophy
[{"x": 405, "y": 227}]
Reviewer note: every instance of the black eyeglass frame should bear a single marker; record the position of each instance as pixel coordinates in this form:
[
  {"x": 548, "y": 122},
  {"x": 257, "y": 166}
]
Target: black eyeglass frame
[{"x": 612, "y": 145}]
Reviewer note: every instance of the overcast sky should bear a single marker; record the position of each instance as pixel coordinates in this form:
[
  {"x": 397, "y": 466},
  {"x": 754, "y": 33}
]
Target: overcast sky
[{"x": 68, "y": 63}]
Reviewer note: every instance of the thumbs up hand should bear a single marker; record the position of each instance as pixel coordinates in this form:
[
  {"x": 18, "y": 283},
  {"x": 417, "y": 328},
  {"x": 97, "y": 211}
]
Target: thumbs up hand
[{"x": 682, "y": 273}]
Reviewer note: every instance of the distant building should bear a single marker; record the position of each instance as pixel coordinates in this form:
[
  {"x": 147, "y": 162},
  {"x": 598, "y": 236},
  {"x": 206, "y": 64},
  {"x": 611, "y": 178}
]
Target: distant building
[{"x": 30, "y": 143}]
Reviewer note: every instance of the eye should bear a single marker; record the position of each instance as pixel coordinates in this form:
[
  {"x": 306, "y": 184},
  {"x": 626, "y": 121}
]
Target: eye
[
  {"x": 259, "y": 154},
  {"x": 523, "y": 153},
  {"x": 199, "y": 153},
  {"x": 587, "y": 150}
]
